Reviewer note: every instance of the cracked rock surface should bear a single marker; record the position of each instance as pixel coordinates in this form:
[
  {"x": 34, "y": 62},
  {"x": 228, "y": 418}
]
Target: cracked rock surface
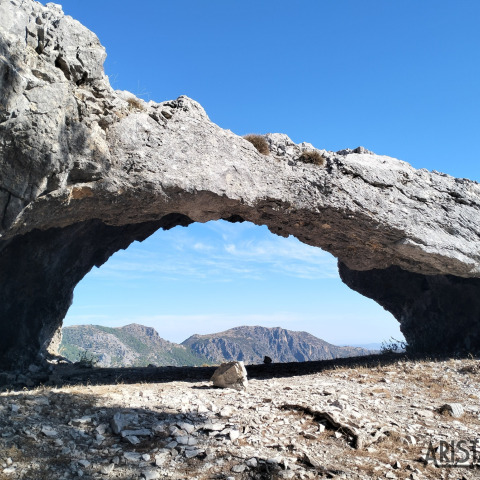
[{"x": 86, "y": 170}]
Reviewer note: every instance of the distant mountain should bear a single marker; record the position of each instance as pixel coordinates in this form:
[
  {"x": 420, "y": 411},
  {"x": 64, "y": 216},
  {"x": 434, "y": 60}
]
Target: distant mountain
[
  {"x": 138, "y": 345},
  {"x": 132, "y": 345},
  {"x": 251, "y": 344}
]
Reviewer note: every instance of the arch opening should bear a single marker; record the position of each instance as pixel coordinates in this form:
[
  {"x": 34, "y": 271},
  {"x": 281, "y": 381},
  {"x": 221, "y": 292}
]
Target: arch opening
[
  {"x": 39, "y": 271},
  {"x": 212, "y": 277}
]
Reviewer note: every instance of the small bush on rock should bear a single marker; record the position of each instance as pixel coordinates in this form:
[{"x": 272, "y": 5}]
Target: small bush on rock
[
  {"x": 135, "y": 104},
  {"x": 393, "y": 346},
  {"x": 312, "y": 157},
  {"x": 87, "y": 360},
  {"x": 259, "y": 143}
]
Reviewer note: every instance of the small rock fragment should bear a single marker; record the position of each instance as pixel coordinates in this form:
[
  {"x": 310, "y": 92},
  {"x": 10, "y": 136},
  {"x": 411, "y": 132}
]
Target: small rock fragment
[
  {"x": 162, "y": 458},
  {"x": 187, "y": 427},
  {"x": 134, "y": 440},
  {"x": 226, "y": 411},
  {"x": 138, "y": 433},
  {"x": 120, "y": 421},
  {"x": 192, "y": 453},
  {"x": 132, "y": 456},
  {"x": 49, "y": 431},
  {"x": 107, "y": 469},
  {"x": 77, "y": 422},
  {"x": 102, "y": 428},
  {"x": 150, "y": 474}
]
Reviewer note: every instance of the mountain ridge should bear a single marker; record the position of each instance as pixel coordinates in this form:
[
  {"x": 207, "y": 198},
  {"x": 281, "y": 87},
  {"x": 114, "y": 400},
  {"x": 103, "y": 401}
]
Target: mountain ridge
[
  {"x": 130, "y": 345},
  {"x": 251, "y": 343},
  {"x": 139, "y": 345}
]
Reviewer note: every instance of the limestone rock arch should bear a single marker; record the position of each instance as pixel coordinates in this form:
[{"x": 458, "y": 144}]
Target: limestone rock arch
[{"x": 86, "y": 170}]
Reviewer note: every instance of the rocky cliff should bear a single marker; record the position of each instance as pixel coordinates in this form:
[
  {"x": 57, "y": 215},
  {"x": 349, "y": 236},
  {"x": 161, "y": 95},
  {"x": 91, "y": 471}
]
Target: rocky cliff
[
  {"x": 86, "y": 170},
  {"x": 129, "y": 346},
  {"x": 251, "y": 344}
]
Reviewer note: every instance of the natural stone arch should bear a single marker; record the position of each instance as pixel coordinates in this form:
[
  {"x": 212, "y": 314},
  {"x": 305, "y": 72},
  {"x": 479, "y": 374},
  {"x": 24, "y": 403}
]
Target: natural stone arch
[{"x": 86, "y": 170}]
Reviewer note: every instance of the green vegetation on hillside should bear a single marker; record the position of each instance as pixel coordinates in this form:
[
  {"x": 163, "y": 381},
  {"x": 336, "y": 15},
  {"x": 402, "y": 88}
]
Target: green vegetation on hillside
[{"x": 118, "y": 347}]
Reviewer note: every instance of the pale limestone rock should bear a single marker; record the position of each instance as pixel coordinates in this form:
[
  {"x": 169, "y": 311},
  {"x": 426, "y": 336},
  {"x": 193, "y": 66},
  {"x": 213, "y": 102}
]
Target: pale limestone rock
[
  {"x": 230, "y": 375},
  {"x": 86, "y": 170},
  {"x": 120, "y": 421}
]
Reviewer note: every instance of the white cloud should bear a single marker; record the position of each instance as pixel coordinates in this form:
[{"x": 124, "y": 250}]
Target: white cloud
[
  {"x": 199, "y": 246},
  {"x": 287, "y": 256},
  {"x": 222, "y": 252}
]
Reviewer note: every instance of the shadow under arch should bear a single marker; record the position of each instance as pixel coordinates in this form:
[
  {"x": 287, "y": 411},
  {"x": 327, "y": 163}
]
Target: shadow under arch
[{"x": 51, "y": 263}]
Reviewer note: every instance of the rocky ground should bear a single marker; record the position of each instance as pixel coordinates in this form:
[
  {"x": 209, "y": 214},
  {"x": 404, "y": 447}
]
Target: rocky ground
[{"x": 339, "y": 420}]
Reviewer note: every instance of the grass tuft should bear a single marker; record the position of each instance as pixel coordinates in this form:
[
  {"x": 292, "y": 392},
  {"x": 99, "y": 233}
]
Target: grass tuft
[
  {"x": 258, "y": 142},
  {"x": 135, "y": 104},
  {"x": 312, "y": 156}
]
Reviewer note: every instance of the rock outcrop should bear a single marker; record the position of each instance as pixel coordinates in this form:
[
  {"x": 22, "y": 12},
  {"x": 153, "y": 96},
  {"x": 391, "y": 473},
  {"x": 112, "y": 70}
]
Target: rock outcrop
[{"x": 86, "y": 170}]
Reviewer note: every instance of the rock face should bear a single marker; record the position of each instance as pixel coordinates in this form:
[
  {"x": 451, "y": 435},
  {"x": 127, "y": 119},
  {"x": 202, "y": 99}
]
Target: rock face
[
  {"x": 86, "y": 170},
  {"x": 251, "y": 344},
  {"x": 437, "y": 313}
]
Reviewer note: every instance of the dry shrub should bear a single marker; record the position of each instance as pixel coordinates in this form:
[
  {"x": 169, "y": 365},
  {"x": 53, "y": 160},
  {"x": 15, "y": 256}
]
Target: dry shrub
[
  {"x": 258, "y": 142},
  {"x": 473, "y": 368},
  {"x": 312, "y": 156},
  {"x": 135, "y": 104}
]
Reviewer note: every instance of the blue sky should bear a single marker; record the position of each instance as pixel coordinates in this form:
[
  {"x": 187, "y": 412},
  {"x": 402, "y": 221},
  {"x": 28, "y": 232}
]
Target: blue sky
[{"x": 398, "y": 77}]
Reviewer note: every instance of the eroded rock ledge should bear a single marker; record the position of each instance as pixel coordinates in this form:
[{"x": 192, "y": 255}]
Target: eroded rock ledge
[{"x": 86, "y": 170}]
